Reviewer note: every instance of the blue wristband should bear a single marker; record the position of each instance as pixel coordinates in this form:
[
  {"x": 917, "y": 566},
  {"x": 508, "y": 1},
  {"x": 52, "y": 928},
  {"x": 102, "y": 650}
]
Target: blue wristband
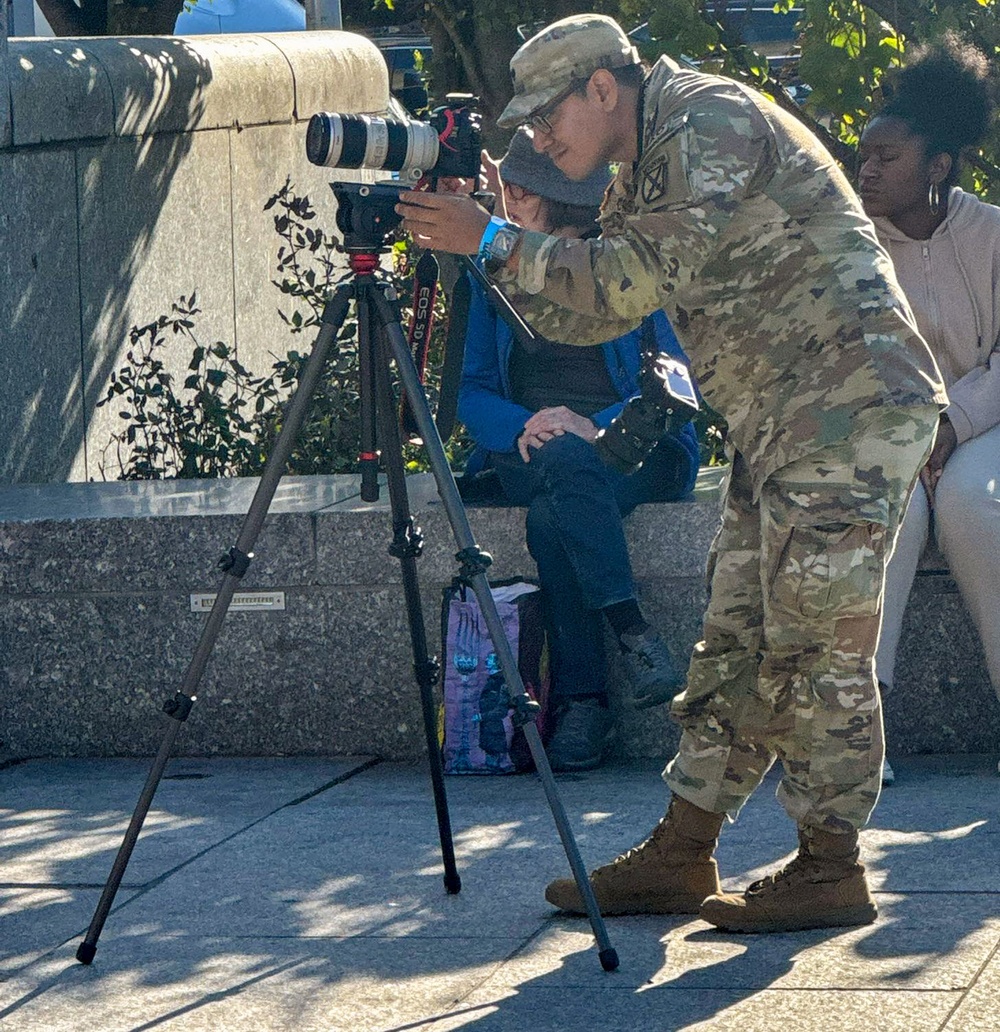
[{"x": 492, "y": 228}]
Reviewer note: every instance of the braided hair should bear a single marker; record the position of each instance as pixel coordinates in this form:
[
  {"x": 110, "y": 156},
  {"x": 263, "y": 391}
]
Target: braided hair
[{"x": 943, "y": 95}]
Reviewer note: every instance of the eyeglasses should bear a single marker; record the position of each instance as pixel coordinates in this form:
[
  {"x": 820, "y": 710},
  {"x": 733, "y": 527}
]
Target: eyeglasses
[
  {"x": 517, "y": 193},
  {"x": 539, "y": 121}
]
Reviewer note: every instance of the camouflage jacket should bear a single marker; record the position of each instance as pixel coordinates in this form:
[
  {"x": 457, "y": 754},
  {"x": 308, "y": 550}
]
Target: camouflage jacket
[{"x": 740, "y": 225}]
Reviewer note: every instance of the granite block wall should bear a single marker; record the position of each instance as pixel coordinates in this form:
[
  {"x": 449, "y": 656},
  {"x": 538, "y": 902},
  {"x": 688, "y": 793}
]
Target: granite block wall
[
  {"x": 97, "y": 627},
  {"x": 134, "y": 172}
]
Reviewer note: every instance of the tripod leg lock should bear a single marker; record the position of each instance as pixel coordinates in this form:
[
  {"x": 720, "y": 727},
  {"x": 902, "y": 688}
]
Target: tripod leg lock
[
  {"x": 235, "y": 562},
  {"x": 473, "y": 562},
  {"x": 407, "y": 542},
  {"x": 426, "y": 673},
  {"x": 523, "y": 709},
  {"x": 179, "y": 706}
]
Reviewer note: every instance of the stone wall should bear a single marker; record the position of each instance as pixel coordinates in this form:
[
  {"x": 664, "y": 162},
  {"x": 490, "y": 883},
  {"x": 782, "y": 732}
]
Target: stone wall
[
  {"x": 97, "y": 627},
  {"x": 134, "y": 172}
]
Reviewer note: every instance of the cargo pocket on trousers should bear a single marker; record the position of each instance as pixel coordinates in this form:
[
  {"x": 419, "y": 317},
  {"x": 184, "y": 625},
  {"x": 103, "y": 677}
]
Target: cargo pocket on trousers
[{"x": 831, "y": 566}]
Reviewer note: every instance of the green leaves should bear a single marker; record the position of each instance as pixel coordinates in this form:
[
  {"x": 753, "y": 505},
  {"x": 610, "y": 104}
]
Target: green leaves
[
  {"x": 224, "y": 419},
  {"x": 679, "y": 28},
  {"x": 838, "y": 63},
  {"x": 200, "y": 431}
]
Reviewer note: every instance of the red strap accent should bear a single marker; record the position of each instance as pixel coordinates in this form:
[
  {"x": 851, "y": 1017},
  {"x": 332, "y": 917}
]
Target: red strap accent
[{"x": 449, "y": 118}]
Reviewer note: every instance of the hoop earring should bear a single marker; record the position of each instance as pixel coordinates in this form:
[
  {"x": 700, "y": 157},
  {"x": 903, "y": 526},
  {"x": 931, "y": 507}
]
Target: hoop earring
[{"x": 933, "y": 198}]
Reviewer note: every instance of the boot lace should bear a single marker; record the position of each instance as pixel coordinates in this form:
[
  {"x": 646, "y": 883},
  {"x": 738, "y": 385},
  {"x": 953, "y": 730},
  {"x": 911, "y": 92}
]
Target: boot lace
[
  {"x": 799, "y": 869},
  {"x": 644, "y": 847}
]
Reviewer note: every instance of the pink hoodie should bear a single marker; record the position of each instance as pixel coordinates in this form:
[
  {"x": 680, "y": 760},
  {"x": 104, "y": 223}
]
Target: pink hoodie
[{"x": 952, "y": 282}]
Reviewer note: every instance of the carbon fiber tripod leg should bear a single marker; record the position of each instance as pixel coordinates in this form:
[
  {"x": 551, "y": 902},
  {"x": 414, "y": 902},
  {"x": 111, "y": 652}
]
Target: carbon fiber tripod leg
[
  {"x": 234, "y": 564},
  {"x": 474, "y": 563},
  {"x": 406, "y": 546}
]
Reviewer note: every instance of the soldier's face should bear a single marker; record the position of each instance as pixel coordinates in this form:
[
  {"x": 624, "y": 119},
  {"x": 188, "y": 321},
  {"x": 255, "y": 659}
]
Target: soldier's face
[
  {"x": 895, "y": 172},
  {"x": 579, "y": 137}
]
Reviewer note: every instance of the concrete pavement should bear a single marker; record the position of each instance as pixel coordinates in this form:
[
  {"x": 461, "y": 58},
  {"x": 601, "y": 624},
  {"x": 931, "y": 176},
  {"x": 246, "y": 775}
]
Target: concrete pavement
[{"x": 306, "y": 895}]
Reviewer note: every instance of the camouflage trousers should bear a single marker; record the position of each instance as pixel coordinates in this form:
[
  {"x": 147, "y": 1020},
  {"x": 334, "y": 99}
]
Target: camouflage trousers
[{"x": 786, "y": 667}]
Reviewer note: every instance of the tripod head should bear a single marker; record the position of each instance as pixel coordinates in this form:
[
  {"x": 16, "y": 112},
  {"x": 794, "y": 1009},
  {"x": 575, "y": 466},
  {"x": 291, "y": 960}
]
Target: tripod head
[{"x": 366, "y": 215}]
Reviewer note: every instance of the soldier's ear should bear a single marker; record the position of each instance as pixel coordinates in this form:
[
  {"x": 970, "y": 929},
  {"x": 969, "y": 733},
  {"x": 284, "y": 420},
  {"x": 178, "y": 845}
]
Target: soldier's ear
[{"x": 604, "y": 88}]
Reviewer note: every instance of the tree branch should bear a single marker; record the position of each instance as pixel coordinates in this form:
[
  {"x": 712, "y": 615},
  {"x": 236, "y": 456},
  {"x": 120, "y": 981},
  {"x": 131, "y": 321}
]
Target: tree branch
[
  {"x": 448, "y": 20},
  {"x": 734, "y": 47},
  {"x": 902, "y": 15},
  {"x": 840, "y": 150},
  {"x": 65, "y": 17}
]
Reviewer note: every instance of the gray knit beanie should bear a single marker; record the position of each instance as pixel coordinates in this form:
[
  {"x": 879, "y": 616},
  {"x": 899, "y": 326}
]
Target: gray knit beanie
[{"x": 523, "y": 166}]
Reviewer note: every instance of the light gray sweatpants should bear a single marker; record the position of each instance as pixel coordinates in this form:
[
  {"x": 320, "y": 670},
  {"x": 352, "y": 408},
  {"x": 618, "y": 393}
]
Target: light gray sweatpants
[{"x": 967, "y": 528}]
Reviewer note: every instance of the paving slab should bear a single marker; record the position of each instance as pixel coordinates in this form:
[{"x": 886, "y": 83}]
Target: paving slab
[
  {"x": 306, "y": 894},
  {"x": 33, "y": 920},
  {"x": 62, "y": 821},
  {"x": 208, "y": 985},
  {"x": 695, "y": 1011},
  {"x": 71, "y": 838},
  {"x": 979, "y": 1009},
  {"x": 914, "y": 951}
]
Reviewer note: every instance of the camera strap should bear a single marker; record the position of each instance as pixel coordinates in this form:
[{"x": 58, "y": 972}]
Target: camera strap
[
  {"x": 454, "y": 356},
  {"x": 425, "y": 287},
  {"x": 650, "y": 354}
]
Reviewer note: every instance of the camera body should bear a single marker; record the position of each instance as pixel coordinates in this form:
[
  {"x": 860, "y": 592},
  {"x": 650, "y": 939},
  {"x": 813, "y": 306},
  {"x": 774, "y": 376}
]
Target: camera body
[{"x": 448, "y": 144}]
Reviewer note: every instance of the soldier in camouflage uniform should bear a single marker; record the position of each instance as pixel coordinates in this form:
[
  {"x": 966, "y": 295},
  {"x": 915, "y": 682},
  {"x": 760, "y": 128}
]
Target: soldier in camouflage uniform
[{"x": 733, "y": 218}]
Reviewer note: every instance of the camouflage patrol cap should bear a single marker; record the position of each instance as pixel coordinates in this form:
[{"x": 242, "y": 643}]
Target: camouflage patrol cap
[{"x": 568, "y": 50}]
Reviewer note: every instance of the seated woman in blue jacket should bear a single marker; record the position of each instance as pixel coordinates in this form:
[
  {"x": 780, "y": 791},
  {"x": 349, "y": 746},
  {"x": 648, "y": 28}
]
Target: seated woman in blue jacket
[{"x": 534, "y": 415}]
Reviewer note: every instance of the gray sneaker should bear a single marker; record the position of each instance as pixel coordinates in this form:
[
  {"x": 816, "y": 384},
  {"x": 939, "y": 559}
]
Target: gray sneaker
[
  {"x": 582, "y": 733},
  {"x": 654, "y": 677}
]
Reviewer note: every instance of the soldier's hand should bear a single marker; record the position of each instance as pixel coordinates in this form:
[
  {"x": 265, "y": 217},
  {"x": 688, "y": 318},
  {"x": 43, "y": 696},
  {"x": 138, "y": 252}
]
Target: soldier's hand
[
  {"x": 443, "y": 222},
  {"x": 455, "y": 185},
  {"x": 490, "y": 182}
]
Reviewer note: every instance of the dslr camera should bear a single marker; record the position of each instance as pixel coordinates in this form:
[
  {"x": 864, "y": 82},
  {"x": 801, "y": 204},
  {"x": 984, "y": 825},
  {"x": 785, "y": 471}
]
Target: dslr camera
[
  {"x": 447, "y": 144},
  {"x": 667, "y": 400}
]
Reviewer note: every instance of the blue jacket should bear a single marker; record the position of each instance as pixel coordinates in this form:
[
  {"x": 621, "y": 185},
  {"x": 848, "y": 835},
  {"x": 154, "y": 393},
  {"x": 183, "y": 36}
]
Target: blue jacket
[{"x": 484, "y": 404}]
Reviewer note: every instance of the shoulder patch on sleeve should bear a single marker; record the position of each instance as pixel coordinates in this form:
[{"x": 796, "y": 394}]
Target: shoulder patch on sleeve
[{"x": 654, "y": 184}]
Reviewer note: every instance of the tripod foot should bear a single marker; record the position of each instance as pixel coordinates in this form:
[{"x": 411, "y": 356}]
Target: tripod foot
[
  {"x": 609, "y": 959},
  {"x": 86, "y": 952},
  {"x": 452, "y": 883}
]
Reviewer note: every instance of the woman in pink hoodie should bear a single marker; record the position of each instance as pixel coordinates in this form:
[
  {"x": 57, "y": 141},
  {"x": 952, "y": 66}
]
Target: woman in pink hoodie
[{"x": 945, "y": 246}]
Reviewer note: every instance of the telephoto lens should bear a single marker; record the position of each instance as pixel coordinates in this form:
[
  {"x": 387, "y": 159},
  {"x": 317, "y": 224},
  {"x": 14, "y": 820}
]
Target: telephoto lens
[
  {"x": 370, "y": 141},
  {"x": 668, "y": 400},
  {"x": 447, "y": 144},
  {"x": 632, "y": 435}
]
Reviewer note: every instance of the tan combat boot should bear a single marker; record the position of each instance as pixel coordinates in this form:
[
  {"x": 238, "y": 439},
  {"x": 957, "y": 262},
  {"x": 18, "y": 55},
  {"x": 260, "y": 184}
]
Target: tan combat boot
[
  {"x": 823, "y": 887},
  {"x": 670, "y": 873}
]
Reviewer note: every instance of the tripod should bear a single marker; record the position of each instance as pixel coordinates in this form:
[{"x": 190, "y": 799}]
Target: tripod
[{"x": 380, "y": 340}]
